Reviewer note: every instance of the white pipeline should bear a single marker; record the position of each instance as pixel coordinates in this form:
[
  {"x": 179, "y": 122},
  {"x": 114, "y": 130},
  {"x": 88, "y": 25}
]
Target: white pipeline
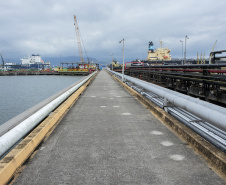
[
  {"x": 14, "y": 135},
  {"x": 211, "y": 113}
]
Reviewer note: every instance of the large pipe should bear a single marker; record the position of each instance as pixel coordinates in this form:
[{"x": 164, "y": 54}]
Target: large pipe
[
  {"x": 18, "y": 132},
  {"x": 24, "y": 115},
  {"x": 207, "y": 113},
  {"x": 205, "y": 135},
  {"x": 195, "y": 100},
  {"x": 202, "y": 66}
]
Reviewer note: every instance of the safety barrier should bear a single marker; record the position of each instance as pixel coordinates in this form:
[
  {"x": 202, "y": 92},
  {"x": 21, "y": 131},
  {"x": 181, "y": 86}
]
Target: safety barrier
[{"x": 14, "y": 135}]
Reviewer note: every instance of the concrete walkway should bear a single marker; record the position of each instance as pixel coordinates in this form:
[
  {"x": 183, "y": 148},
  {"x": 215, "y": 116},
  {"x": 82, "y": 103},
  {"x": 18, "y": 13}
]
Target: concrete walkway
[{"x": 108, "y": 137}]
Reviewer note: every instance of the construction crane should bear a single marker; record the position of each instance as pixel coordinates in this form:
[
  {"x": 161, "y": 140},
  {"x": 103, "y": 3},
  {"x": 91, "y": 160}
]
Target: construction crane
[
  {"x": 3, "y": 62},
  {"x": 214, "y": 46},
  {"x": 211, "y": 55},
  {"x": 78, "y": 39}
]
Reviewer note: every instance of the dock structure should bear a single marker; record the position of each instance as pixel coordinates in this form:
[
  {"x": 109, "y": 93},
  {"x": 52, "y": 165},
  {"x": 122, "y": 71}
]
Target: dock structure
[
  {"x": 109, "y": 137},
  {"x": 24, "y": 73}
]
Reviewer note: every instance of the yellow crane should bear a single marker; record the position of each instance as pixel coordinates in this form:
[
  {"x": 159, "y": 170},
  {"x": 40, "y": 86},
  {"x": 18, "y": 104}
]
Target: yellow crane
[
  {"x": 214, "y": 46},
  {"x": 78, "y": 39},
  {"x": 211, "y": 55}
]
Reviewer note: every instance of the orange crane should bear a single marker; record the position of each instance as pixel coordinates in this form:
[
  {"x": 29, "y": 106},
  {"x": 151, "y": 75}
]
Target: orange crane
[{"x": 78, "y": 39}]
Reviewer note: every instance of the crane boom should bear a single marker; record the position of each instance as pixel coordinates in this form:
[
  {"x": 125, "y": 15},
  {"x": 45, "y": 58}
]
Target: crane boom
[
  {"x": 78, "y": 39},
  {"x": 3, "y": 62},
  {"x": 211, "y": 55},
  {"x": 214, "y": 46}
]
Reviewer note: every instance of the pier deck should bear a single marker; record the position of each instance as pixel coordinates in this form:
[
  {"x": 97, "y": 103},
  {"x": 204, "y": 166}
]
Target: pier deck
[{"x": 108, "y": 137}]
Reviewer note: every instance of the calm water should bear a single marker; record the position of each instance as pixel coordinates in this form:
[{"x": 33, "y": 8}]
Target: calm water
[{"x": 18, "y": 93}]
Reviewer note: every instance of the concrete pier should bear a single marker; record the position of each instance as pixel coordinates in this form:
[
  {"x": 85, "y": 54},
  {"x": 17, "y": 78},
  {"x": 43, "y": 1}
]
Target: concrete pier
[{"x": 108, "y": 137}]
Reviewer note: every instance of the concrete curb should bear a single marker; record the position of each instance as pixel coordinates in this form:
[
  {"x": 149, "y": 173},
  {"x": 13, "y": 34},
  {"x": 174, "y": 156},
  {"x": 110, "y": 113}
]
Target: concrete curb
[
  {"x": 16, "y": 157},
  {"x": 215, "y": 158}
]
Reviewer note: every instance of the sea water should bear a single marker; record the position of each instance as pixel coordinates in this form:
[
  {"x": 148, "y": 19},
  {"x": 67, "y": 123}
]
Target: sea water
[{"x": 19, "y": 93}]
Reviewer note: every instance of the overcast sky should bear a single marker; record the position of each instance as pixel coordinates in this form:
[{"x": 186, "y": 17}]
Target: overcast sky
[{"x": 47, "y": 27}]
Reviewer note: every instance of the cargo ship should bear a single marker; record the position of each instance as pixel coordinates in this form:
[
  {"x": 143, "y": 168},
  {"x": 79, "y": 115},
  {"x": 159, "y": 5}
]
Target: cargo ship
[
  {"x": 31, "y": 62},
  {"x": 159, "y": 54}
]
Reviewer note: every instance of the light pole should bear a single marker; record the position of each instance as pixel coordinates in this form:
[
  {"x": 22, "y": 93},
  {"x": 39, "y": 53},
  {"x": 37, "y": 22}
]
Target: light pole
[
  {"x": 123, "y": 60},
  {"x": 182, "y": 52},
  {"x": 186, "y": 37},
  {"x": 112, "y": 62}
]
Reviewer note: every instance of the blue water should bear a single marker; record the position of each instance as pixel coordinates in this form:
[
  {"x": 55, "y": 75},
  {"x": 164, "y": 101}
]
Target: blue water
[{"x": 19, "y": 93}]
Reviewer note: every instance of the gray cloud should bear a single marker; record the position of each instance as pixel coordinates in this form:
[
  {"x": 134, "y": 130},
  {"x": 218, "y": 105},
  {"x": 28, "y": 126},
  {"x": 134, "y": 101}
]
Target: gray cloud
[{"x": 47, "y": 27}]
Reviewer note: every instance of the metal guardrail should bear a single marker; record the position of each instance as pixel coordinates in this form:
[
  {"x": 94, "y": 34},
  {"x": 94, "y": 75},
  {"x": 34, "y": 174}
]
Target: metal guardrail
[
  {"x": 206, "y": 119},
  {"x": 19, "y": 130}
]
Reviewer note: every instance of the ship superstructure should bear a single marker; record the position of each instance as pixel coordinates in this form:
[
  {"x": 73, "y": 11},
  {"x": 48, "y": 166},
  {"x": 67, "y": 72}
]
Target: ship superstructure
[
  {"x": 159, "y": 54},
  {"x": 33, "y": 59},
  {"x": 33, "y": 62}
]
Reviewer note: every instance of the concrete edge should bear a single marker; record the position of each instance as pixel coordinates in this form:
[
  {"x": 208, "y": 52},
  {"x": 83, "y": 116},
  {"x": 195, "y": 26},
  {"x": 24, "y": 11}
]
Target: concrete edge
[
  {"x": 212, "y": 155},
  {"x": 16, "y": 157}
]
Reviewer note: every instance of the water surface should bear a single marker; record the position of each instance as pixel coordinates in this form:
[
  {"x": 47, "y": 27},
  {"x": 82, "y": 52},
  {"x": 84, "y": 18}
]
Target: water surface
[{"x": 19, "y": 93}]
